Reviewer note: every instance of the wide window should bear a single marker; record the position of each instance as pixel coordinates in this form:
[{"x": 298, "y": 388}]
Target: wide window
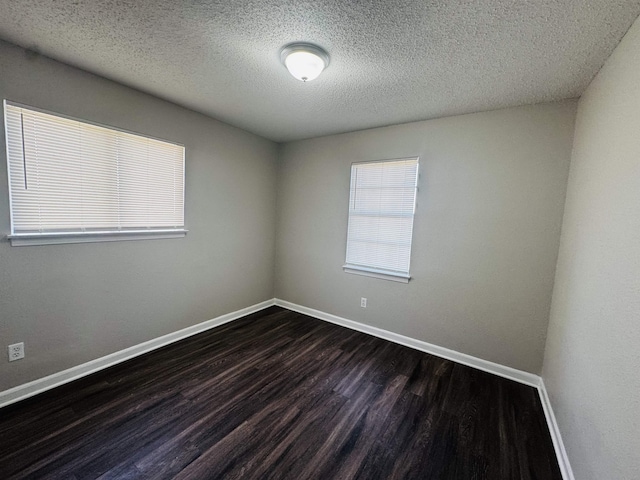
[
  {"x": 381, "y": 208},
  {"x": 72, "y": 181}
]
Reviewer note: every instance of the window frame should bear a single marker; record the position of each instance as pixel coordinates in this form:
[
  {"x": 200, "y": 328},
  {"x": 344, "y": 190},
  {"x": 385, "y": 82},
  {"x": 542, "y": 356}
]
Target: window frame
[
  {"x": 89, "y": 235},
  {"x": 372, "y": 271}
]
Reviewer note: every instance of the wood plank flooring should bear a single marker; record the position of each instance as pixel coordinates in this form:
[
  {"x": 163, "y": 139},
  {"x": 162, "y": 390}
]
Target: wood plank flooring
[{"x": 278, "y": 395}]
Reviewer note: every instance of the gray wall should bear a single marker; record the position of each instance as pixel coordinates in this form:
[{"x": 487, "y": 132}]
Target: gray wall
[
  {"x": 592, "y": 360},
  {"x": 74, "y": 303},
  {"x": 486, "y": 230}
]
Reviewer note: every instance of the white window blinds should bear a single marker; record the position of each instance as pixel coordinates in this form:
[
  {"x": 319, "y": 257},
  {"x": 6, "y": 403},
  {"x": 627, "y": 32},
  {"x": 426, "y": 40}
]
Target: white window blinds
[
  {"x": 381, "y": 208},
  {"x": 68, "y": 176}
]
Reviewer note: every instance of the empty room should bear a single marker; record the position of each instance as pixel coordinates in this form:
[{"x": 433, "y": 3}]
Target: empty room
[{"x": 263, "y": 239}]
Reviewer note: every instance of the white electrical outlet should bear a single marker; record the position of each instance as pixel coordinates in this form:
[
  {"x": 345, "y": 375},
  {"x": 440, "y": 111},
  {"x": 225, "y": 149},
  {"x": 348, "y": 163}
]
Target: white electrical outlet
[
  {"x": 16, "y": 351},
  {"x": 363, "y": 302}
]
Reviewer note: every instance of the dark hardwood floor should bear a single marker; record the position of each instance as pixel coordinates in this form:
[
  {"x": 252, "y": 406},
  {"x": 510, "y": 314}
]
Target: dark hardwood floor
[{"x": 278, "y": 395}]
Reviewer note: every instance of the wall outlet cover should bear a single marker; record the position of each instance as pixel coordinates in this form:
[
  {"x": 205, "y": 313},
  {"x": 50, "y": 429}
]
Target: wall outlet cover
[{"x": 16, "y": 351}]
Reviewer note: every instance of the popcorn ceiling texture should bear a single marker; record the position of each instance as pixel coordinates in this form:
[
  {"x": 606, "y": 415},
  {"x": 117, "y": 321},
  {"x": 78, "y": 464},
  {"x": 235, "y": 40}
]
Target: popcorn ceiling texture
[{"x": 392, "y": 61}]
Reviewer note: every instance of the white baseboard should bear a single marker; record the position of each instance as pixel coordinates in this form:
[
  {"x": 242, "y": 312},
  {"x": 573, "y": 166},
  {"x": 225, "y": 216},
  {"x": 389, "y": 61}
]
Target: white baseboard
[
  {"x": 471, "y": 361},
  {"x": 519, "y": 376},
  {"x": 40, "y": 385},
  {"x": 554, "y": 430}
]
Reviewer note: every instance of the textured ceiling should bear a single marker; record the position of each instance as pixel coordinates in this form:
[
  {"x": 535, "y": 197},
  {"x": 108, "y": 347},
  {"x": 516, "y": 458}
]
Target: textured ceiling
[{"x": 392, "y": 61}]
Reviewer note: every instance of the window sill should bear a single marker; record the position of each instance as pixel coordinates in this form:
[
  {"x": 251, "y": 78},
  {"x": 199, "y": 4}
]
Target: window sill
[
  {"x": 27, "y": 239},
  {"x": 377, "y": 273}
]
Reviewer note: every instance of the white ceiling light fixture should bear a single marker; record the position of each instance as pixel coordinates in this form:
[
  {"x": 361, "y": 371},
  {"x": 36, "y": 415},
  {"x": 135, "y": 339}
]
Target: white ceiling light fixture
[{"x": 304, "y": 61}]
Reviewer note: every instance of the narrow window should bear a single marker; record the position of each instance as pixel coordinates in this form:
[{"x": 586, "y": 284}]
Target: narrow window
[
  {"x": 382, "y": 203},
  {"x": 72, "y": 181}
]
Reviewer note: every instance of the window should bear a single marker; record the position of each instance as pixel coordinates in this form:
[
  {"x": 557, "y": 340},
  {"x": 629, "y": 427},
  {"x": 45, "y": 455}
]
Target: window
[
  {"x": 71, "y": 181},
  {"x": 381, "y": 208}
]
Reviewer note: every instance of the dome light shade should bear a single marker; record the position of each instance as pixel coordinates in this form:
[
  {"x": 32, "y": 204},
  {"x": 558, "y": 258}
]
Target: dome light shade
[{"x": 304, "y": 60}]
